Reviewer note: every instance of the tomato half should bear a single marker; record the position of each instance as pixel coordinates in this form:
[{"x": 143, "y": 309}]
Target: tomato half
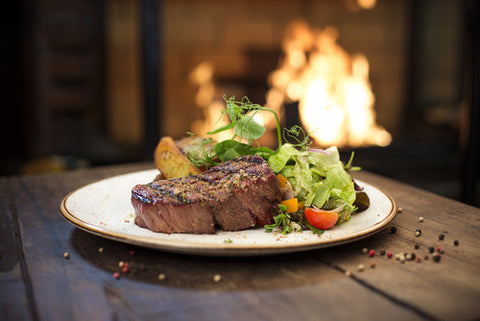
[{"x": 321, "y": 219}]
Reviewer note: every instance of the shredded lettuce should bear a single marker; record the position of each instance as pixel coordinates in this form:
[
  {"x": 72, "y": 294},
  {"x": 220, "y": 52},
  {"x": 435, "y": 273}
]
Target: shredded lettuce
[{"x": 318, "y": 179}]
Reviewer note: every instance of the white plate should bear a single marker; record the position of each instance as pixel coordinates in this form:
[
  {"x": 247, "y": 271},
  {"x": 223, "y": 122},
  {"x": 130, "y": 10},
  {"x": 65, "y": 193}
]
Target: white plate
[{"x": 103, "y": 208}]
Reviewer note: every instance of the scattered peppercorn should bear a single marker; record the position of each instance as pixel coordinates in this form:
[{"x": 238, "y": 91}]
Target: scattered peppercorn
[
  {"x": 348, "y": 273},
  {"x": 425, "y": 257},
  {"x": 413, "y": 256},
  {"x": 455, "y": 242},
  {"x": 116, "y": 275},
  {"x": 360, "y": 267},
  {"x": 408, "y": 257},
  {"x": 382, "y": 252},
  {"x": 364, "y": 250},
  {"x": 100, "y": 249},
  {"x": 431, "y": 249},
  {"x": 393, "y": 230},
  {"x": 217, "y": 278},
  {"x": 131, "y": 252},
  {"x": 420, "y": 219},
  {"x": 436, "y": 257},
  {"x": 418, "y": 233},
  {"x": 418, "y": 259},
  {"x": 372, "y": 264},
  {"x": 440, "y": 249},
  {"x": 416, "y": 246},
  {"x": 371, "y": 253},
  {"x": 66, "y": 255},
  {"x": 161, "y": 276},
  {"x": 389, "y": 255},
  {"x": 125, "y": 269},
  {"x": 399, "y": 210},
  {"x": 441, "y": 237}
]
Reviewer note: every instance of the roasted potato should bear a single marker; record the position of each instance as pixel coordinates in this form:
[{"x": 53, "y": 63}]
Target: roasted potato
[{"x": 171, "y": 161}]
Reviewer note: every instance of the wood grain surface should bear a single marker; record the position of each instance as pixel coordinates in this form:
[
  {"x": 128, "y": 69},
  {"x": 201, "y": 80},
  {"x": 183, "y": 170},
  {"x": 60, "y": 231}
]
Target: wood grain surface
[{"x": 38, "y": 283}]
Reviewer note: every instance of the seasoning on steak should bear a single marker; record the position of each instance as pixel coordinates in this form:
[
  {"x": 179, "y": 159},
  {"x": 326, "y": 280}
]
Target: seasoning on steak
[{"x": 234, "y": 195}]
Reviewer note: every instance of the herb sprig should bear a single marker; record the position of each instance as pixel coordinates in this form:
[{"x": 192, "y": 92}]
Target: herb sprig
[
  {"x": 290, "y": 222},
  {"x": 245, "y": 128}
]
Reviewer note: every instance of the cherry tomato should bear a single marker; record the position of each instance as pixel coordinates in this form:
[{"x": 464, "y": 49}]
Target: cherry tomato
[{"x": 321, "y": 219}]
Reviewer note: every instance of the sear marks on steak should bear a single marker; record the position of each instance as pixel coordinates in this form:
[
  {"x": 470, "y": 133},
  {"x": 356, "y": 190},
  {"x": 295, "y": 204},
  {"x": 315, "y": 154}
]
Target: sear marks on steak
[{"x": 234, "y": 195}]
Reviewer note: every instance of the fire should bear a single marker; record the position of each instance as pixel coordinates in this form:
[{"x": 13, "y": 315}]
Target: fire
[
  {"x": 334, "y": 95},
  {"x": 202, "y": 77}
]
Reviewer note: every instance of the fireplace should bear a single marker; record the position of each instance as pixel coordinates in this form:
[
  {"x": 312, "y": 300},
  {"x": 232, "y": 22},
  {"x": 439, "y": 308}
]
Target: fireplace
[{"x": 409, "y": 62}]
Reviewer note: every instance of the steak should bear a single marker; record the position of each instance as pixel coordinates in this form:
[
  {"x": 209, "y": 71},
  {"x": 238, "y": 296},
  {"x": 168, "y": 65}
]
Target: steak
[{"x": 234, "y": 195}]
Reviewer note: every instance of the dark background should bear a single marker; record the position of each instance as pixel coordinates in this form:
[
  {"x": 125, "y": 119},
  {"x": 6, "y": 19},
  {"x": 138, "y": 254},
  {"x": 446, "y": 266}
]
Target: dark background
[{"x": 61, "y": 123}]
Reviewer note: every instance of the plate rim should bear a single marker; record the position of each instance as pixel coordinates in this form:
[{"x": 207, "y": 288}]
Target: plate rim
[{"x": 219, "y": 249}]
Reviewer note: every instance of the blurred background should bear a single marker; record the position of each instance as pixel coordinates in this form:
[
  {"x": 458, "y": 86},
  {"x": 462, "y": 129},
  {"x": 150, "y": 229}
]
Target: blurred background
[{"x": 94, "y": 83}]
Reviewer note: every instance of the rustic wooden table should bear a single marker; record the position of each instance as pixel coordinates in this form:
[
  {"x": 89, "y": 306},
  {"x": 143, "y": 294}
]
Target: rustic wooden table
[{"x": 38, "y": 283}]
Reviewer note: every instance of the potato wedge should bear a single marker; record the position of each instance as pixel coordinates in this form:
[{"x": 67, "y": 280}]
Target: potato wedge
[{"x": 171, "y": 161}]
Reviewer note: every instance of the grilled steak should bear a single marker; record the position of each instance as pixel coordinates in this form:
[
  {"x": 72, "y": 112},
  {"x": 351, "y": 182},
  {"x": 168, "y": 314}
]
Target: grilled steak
[{"x": 234, "y": 195}]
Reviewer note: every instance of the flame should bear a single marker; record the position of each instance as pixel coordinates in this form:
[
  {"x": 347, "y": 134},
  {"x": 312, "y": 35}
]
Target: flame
[
  {"x": 202, "y": 77},
  {"x": 334, "y": 95},
  {"x": 335, "y": 99}
]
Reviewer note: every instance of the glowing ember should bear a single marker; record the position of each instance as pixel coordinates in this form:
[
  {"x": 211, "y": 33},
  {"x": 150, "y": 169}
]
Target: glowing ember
[{"x": 334, "y": 95}]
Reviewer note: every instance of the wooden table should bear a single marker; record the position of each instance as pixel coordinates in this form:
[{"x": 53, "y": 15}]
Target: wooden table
[{"x": 38, "y": 283}]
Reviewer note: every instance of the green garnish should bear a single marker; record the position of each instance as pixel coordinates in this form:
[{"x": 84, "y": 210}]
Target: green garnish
[
  {"x": 241, "y": 114},
  {"x": 282, "y": 221},
  {"x": 290, "y": 222},
  {"x": 245, "y": 128},
  {"x": 296, "y": 133},
  {"x": 245, "y": 131}
]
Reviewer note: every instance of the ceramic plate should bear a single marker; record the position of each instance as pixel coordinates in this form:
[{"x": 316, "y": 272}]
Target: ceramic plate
[{"x": 103, "y": 208}]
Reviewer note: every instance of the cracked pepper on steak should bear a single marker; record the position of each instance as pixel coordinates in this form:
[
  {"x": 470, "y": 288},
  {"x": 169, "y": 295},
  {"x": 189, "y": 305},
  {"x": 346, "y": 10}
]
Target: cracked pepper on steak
[{"x": 234, "y": 195}]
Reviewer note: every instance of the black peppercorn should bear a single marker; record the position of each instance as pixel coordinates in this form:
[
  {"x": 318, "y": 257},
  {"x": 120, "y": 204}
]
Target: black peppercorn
[
  {"x": 436, "y": 258},
  {"x": 455, "y": 242},
  {"x": 431, "y": 249},
  {"x": 441, "y": 237},
  {"x": 393, "y": 230},
  {"x": 417, "y": 246}
]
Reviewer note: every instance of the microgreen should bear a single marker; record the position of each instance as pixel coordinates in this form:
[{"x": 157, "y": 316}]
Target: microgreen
[
  {"x": 348, "y": 167},
  {"x": 282, "y": 221},
  {"x": 241, "y": 114},
  {"x": 246, "y": 130},
  {"x": 300, "y": 138}
]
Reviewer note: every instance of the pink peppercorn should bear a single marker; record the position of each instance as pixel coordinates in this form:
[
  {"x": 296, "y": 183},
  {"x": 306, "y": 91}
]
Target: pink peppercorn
[
  {"x": 125, "y": 269},
  {"x": 389, "y": 255},
  {"x": 116, "y": 275},
  {"x": 131, "y": 252},
  {"x": 371, "y": 253}
]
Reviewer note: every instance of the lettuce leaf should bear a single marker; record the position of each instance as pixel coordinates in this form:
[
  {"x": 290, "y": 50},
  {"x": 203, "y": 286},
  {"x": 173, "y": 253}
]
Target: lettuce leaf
[{"x": 319, "y": 178}]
